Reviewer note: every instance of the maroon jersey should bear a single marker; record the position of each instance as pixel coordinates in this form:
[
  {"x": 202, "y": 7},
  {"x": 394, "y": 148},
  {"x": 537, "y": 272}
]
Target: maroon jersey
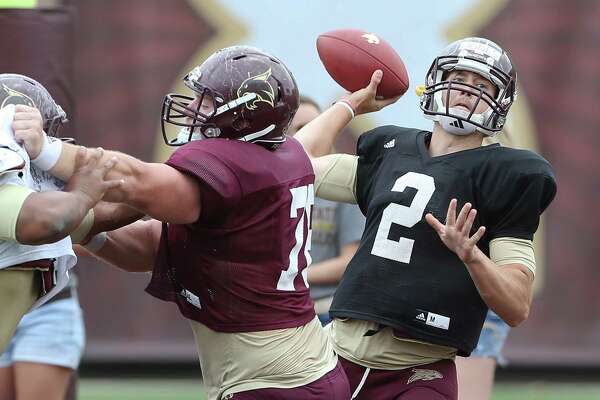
[{"x": 242, "y": 266}]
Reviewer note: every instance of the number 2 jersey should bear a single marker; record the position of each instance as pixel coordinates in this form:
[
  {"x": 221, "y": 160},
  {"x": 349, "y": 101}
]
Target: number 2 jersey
[{"x": 403, "y": 276}]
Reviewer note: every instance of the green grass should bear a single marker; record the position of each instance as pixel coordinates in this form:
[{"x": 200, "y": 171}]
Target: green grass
[
  {"x": 547, "y": 391},
  {"x": 140, "y": 389},
  {"x": 183, "y": 389}
]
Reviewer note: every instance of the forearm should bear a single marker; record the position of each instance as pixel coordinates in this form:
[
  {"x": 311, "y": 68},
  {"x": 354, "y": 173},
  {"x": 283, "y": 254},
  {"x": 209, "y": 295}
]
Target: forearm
[
  {"x": 506, "y": 289},
  {"x": 127, "y": 168},
  {"x": 132, "y": 248},
  {"x": 317, "y": 137},
  {"x": 330, "y": 271},
  {"x": 50, "y": 216},
  {"x": 111, "y": 216}
]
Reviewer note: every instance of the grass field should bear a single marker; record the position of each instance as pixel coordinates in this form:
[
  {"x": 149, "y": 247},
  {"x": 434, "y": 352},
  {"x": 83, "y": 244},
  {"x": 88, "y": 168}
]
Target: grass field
[{"x": 153, "y": 389}]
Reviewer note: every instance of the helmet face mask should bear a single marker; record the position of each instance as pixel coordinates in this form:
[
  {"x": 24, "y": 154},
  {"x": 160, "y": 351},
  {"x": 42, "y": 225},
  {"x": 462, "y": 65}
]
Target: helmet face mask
[
  {"x": 480, "y": 56},
  {"x": 179, "y": 110},
  {"x": 245, "y": 94},
  {"x": 19, "y": 89}
]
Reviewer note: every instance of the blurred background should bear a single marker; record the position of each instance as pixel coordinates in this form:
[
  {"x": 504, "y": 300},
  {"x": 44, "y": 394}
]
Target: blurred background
[{"x": 110, "y": 62}]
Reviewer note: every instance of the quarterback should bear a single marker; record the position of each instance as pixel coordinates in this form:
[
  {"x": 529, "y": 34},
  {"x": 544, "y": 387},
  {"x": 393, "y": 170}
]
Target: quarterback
[{"x": 449, "y": 225}]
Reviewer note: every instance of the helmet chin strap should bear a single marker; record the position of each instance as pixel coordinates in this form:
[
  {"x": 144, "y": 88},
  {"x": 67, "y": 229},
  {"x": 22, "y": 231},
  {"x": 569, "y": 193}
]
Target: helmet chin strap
[{"x": 457, "y": 126}]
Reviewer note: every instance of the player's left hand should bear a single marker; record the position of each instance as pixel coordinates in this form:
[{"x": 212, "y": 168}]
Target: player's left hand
[
  {"x": 455, "y": 233},
  {"x": 28, "y": 127}
]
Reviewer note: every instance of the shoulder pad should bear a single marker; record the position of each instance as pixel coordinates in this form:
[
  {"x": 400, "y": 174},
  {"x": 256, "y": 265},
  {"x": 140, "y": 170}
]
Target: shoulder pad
[
  {"x": 384, "y": 137},
  {"x": 10, "y": 160}
]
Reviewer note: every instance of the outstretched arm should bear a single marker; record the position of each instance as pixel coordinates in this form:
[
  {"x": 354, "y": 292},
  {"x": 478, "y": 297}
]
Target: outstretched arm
[
  {"x": 318, "y": 135},
  {"x": 154, "y": 189},
  {"x": 132, "y": 248},
  {"x": 47, "y": 217},
  {"x": 506, "y": 289}
]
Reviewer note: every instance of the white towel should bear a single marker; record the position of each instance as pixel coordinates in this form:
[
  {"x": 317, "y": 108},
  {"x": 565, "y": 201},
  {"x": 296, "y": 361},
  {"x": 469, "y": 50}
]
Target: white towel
[{"x": 7, "y": 136}]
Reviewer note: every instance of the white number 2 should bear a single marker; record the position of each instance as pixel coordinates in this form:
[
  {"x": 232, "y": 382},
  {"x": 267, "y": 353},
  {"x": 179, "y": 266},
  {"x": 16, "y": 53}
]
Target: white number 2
[
  {"x": 401, "y": 250},
  {"x": 303, "y": 198}
]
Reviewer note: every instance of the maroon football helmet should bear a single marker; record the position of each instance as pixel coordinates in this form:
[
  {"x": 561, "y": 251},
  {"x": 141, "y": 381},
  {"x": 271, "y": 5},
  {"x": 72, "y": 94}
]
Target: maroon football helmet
[
  {"x": 20, "y": 89},
  {"x": 254, "y": 98}
]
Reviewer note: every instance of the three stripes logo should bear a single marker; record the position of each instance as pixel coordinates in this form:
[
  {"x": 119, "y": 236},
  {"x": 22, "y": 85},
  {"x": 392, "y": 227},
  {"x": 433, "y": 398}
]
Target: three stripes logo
[{"x": 457, "y": 124}]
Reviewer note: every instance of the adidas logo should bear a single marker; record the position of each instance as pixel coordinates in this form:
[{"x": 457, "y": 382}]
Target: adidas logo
[
  {"x": 457, "y": 124},
  {"x": 390, "y": 144},
  {"x": 421, "y": 317}
]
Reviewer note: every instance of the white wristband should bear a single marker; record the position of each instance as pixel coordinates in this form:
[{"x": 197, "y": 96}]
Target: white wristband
[
  {"x": 96, "y": 242},
  {"x": 49, "y": 154},
  {"x": 347, "y": 105}
]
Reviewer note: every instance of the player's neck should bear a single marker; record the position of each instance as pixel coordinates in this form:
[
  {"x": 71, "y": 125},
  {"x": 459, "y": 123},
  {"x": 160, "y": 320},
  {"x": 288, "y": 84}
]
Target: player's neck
[{"x": 443, "y": 142}]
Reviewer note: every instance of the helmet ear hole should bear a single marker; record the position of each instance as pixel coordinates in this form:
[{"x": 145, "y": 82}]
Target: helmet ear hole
[{"x": 240, "y": 124}]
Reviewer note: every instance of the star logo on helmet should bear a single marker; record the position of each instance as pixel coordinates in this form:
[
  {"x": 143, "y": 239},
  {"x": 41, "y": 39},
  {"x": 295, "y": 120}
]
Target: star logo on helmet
[
  {"x": 259, "y": 85},
  {"x": 16, "y": 97},
  {"x": 371, "y": 38}
]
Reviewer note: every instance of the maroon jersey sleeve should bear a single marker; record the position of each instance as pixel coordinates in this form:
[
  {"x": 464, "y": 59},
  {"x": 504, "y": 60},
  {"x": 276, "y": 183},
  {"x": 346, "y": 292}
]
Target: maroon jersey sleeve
[{"x": 220, "y": 189}]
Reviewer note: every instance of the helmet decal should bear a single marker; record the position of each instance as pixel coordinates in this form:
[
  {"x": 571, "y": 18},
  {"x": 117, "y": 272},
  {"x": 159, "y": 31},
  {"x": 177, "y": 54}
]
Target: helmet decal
[
  {"x": 258, "y": 84},
  {"x": 253, "y": 94},
  {"x": 14, "y": 97}
]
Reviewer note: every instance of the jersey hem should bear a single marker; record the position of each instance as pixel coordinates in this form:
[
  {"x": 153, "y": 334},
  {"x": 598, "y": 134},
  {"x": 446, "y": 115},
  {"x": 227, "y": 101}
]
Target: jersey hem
[{"x": 410, "y": 330}]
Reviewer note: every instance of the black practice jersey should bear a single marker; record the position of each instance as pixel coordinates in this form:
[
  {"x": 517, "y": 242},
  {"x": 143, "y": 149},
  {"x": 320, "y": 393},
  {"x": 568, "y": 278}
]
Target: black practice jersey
[{"x": 403, "y": 275}]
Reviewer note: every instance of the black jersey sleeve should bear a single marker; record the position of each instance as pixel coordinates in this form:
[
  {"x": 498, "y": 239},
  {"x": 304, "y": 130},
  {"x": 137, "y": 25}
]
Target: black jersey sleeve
[{"x": 521, "y": 188}]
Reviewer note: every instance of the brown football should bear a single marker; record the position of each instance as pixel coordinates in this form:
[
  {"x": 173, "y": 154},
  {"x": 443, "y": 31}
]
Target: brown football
[{"x": 350, "y": 56}]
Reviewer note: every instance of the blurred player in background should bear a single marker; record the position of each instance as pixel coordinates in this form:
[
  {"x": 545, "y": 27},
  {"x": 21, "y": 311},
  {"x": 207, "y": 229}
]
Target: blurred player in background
[
  {"x": 47, "y": 346},
  {"x": 236, "y": 199},
  {"x": 336, "y": 231},
  {"x": 417, "y": 292}
]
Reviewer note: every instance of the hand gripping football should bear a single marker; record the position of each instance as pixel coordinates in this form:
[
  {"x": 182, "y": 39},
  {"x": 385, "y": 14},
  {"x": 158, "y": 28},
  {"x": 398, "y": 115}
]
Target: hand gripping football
[{"x": 350, "y": 56}]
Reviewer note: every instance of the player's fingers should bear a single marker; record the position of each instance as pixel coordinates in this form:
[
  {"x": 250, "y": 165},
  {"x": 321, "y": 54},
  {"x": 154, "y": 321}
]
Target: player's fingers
[
  {"x": 462, "y": 216},
  {"x": 110, "y": 164},
  {"x": 466, "y": 229},
  {"x": 477, "y": 236},
  {"x": 22, "y": 108},
  {"x": 375, "y": 80},
  {"x": 113, "y": 184},
  {"x": 95, "y": 156},
  {"x": 81, "y": 157},
  {"x": 434, "y": 223},
  {"x": 451, "y": 214},
  {"x": 27, "y": 113},
  {"x": 386, "y": 102},
  {"x": 20, "y": 124}
]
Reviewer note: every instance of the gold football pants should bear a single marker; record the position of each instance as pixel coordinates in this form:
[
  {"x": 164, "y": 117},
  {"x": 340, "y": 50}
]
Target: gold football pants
[{"x": 18, "y": 291}]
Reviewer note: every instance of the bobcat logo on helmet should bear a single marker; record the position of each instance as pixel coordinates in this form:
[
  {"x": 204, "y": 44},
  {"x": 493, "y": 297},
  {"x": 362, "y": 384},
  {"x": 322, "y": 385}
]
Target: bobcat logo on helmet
[
  {"x": 424, "y": 375},
  {"x": 16, "y": 97},
  {"x": 258, "y": 84}
]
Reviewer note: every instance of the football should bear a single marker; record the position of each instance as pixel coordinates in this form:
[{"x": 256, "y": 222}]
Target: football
[{"x": 350, "y": 56}]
